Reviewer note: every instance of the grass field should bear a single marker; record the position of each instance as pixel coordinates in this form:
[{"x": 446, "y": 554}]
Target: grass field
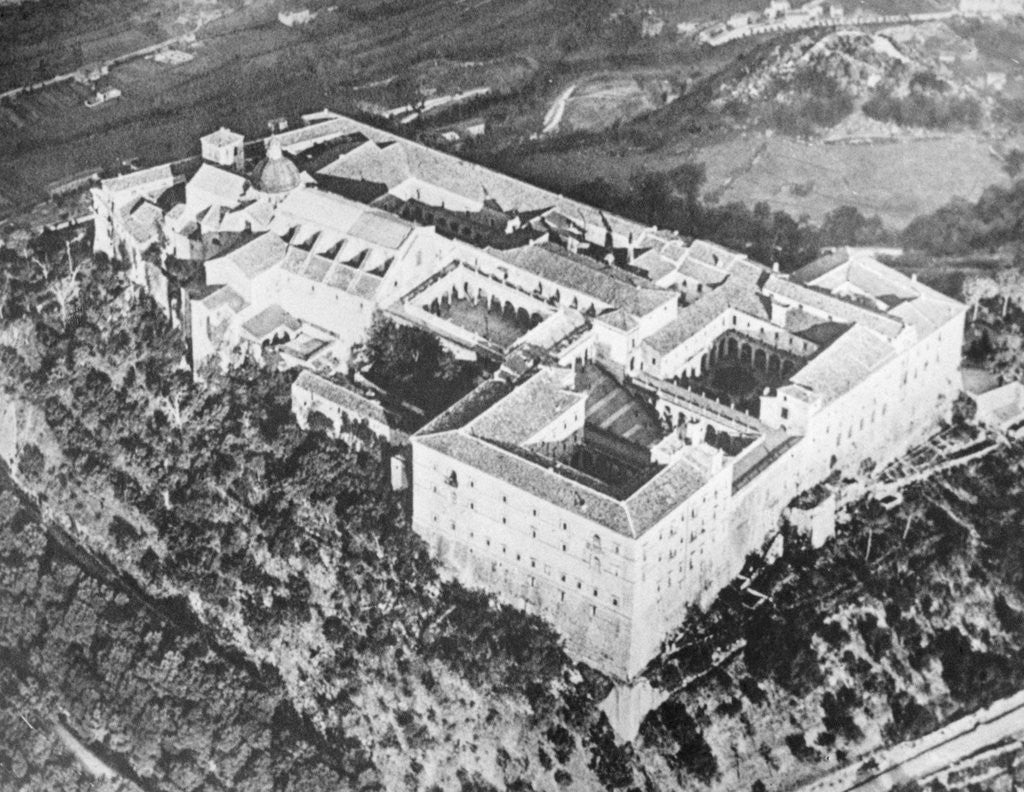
[{"x": 897, "y": 181}]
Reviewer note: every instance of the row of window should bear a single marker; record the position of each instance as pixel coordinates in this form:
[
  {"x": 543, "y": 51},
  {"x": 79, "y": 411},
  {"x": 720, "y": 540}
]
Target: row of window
[{"x": 532, "y": 580}]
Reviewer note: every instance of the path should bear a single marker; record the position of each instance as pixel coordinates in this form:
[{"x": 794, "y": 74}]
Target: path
[
  {"x": 554, "y": 115},
  {"x": 925, "y": 756}
]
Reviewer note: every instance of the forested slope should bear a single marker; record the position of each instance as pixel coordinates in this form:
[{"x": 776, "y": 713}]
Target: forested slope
[{"x": 318, "y": 626}]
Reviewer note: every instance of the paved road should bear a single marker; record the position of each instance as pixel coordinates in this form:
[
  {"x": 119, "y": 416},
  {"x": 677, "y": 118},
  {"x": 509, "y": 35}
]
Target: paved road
[{"x": 916, "y": 759}]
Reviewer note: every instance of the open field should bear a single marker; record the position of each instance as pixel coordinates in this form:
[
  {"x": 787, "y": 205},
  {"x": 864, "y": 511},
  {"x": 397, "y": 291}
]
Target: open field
[{"x": 897, "y": 181}]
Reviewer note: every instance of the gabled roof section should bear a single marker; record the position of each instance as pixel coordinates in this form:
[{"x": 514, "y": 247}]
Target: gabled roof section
[
  {"x": 345, "y": 398},
  {"x": 381, "y": 229},
  {"x": 270, "y": 320},
  {"x": 258, "y": 255},
  {"x": 835, "y": 308},
  {"x": 573, "y": 271},
  {"x": 226, "y": 186},
  {"x": 854, "y": 355},
  {"x": 225, "y": 296},
  {"x": 316, "y": 208},
  {"x": 731, "y": 295},
  {"x": 143, "y": 221},
  {"x": 542, "y": 482},
  {"x": 532, "y": 406}
]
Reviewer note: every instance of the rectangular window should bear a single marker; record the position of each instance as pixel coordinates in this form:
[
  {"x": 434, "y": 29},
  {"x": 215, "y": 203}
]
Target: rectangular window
[{"x": 785, "y": 413}]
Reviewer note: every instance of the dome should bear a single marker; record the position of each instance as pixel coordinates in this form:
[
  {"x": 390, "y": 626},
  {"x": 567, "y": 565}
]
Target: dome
[{"x": 276, "y": 173}]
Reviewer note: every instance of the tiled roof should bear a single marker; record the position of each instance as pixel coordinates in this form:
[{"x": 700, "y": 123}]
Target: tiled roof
[
  {"x": 346, "y": 398},
  {"x": 618, "y": 319},
  {"x": 269, "y": 320},
  {"x": 139, "y": 180},
  {"x": 258, "y": 255},
  {"x": 392, "y": 160},
  {"x": 226, "y": 186},
  {"x": 529, "y": 408},
  {"x": 222, "y": 137},
  {"x": 553, "y": 329},
  {"x": 926, "y": 314},
  {"x": 143, "y": 221},
  {"x": 668, "y": 489},
  {"x": 317, "y": 208},
  {"x": 225, "y": 295},
  {"x": 585, "y": 275},
  {"x": 381, "y": 229},
  {"x": 469, "y": 407},
  {"x": 542, "y": 482},
  {"x": 854, "y": 355},
  {"x": 834, "y": 307},
  {"x": 730, "y": 295}
]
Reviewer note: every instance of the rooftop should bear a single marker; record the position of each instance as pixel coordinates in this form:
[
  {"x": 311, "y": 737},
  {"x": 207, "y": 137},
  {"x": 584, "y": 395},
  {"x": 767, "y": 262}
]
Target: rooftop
[
  {"x": 269, "y": 321},
  {"x": 345, "y": 397},
  {"x": 258, "y": 255},
  {"x": 227, "y": 187},
  {"x": 854, "y": 355},
  {"x": 543, "y": 399},
  {"x": 601, "y": 282}
]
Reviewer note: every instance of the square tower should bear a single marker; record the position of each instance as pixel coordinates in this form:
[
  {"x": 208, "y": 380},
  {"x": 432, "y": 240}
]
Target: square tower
[{"x": 224, "y": 148}]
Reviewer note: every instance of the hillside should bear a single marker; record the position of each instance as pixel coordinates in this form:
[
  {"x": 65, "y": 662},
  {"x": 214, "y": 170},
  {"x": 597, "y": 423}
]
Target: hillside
[{"x": 293, "y": 554}]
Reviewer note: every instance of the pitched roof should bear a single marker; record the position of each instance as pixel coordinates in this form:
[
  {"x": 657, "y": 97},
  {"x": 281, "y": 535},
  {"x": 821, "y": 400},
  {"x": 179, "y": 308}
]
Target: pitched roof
[
  {"x": 143, "y": 221},
  {"x": 222, "y": 137},
  {"x": 529, "y": 408},
  {"x": 269, "y": 320},
  {"x": 257, "y": 255},
  {"x": 346, "y": 398},
  {"x": 307, "y": 205},
  {"x": 391, "y": 160},
  {"x": 834, "y": 307},
  {"x": 381, "y": 229},
  {"x": 543, "y": 482},
  {"x": 854, "y": 355},
  {"x": 573, "y": 271},
  {"x": 732, "y": 294},
  {"x": 226, "y": 186},
  {"x": 224, "y": 296}
]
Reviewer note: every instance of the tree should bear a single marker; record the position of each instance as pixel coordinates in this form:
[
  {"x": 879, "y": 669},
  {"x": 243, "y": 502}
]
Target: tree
[
  {"x": 976, "y": 288},
  {"x": 1010, "y": 283}
]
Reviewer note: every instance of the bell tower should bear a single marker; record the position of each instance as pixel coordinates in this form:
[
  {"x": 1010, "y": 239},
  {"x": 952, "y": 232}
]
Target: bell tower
[{"x": 224, "y": 148}]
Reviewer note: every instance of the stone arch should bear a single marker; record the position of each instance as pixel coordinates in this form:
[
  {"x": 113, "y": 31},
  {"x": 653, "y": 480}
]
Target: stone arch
[
  {"x": 509, "y": 310},
  {"x": 787, "y": 368},
  {"x": 535, "y": 319},
  {"x": 746, "y": 352},
  {"x": 435, "y": 307},
  {"x": 523, "y": 317},
  {"x": 703, "y": 363},
  {"x": 483, "y": 296},
  {"x": 455, "y": 292},
  {"x": 733, "y": 347},
  {"x": 760, "y": 359}
]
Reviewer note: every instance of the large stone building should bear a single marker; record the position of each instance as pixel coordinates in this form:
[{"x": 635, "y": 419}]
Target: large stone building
[{"x": 660, "y": 400}]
